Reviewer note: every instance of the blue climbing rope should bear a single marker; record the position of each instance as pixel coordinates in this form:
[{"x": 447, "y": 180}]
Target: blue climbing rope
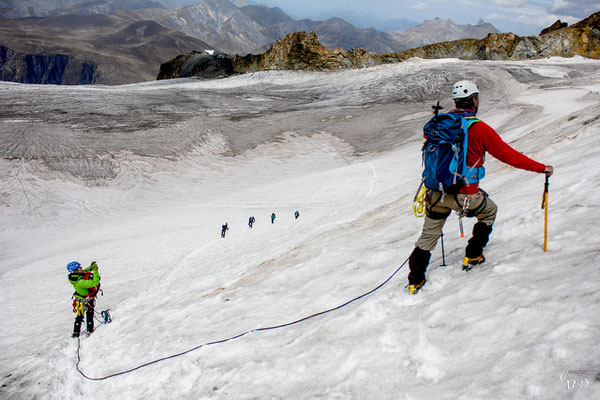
[{"x": 269, "y": 328}]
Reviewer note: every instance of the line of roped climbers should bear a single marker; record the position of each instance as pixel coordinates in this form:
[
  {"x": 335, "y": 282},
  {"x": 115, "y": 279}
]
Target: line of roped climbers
[
  {"x": 252, "y": 221},
  {"x": 453, "y": 188},
  {"x": 439, "y": 197},
  {"x": 86, "y": 283}
]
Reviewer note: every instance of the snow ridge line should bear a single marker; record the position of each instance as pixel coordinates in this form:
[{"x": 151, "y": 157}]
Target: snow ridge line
[{"x": 274, "y": 327}]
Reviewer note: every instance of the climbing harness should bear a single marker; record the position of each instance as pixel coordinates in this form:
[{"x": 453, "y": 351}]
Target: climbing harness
[
  {"x": 82, "y": 306},
  {"x": 269, "y": 328}
]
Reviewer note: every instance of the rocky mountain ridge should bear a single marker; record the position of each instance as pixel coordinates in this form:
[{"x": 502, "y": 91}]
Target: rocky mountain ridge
[
  {"x": 437, "y": 30},
  {"x": 303, "y": 51},
  {"x": 253, "y": 28},
  {"x": 239, "y": 28},
  {"x": 49, "y": 8},
  {"x": 87, "y": 49},
  {"x": 582, "y": 38}
]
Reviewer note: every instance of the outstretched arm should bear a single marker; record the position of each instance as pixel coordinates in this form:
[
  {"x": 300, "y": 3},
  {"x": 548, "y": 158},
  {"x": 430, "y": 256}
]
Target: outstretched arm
[{"x": 493, "y": 144}]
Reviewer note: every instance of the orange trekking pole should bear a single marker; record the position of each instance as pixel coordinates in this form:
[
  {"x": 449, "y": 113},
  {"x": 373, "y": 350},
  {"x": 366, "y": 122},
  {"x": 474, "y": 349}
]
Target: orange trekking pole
[{"x": 545, "y": 208}]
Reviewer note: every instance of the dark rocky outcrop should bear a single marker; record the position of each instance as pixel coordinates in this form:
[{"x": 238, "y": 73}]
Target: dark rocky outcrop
[
  {"x": 197, "y": 64},
  {"x": 554, "y": 27},
  {"x": 302, "y": 51},
  {"x": 44, "y": 68},
  {"x": 296, "y": 51}
]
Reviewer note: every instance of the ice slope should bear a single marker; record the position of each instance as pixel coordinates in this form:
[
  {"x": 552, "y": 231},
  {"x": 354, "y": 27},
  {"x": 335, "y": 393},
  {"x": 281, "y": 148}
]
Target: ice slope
[{"x": 141, "y": 177}]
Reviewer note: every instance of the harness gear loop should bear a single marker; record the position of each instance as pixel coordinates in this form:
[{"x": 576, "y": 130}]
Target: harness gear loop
[
  {"x": 419, "y": 203},
  {"x": 465, "y": 207},
  {"x": 419, "y": 189},
  {"x": 79, "y": 306}
]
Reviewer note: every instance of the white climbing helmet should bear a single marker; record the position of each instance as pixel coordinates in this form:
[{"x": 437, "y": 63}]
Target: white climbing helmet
[{"x": 464, "y": 89}]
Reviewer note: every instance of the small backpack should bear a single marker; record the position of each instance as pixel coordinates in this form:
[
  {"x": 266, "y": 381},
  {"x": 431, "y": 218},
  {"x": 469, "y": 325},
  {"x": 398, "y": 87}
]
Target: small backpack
[{"x": 445, "y": 152}]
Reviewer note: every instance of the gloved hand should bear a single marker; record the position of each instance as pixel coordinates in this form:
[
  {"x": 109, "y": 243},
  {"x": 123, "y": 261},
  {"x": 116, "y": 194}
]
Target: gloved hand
[{"x": 94, "y": 265}]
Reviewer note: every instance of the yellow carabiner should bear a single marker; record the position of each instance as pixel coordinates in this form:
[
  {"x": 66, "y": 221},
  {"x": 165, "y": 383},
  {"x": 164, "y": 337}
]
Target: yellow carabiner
[{"x": 419, "y": 204}]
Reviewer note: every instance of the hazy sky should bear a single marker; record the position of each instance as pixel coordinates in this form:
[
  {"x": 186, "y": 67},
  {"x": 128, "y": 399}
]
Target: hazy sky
[{"x": 523, "y": 17}]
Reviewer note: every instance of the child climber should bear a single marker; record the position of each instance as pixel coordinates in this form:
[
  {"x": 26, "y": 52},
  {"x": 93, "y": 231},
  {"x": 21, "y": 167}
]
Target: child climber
[{"x": 86, "y": 283}]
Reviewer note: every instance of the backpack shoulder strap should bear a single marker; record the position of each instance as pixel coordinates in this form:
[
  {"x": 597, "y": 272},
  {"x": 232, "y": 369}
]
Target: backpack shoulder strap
[{"x": 470, "y": 120}]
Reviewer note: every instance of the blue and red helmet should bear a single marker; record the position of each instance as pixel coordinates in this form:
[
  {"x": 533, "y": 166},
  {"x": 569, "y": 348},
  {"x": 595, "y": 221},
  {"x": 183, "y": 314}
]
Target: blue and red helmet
[{"x": 72, "y": 266}]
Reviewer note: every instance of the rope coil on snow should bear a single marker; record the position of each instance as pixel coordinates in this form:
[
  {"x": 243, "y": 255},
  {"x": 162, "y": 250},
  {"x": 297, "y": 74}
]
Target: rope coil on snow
[{"x": 269, "y": 328}]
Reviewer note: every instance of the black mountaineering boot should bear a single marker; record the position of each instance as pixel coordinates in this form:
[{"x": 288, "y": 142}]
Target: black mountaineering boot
[
  {"x": 413, "y": 289},
  {"x": 474, "y": 250},
  {"x": 418, "y": 262},
  {"x": 469, "y": 263}
]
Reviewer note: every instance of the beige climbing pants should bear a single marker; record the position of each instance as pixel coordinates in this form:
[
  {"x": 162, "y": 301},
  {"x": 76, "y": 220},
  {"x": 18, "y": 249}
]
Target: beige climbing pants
[{"x": 439, "y": 207}]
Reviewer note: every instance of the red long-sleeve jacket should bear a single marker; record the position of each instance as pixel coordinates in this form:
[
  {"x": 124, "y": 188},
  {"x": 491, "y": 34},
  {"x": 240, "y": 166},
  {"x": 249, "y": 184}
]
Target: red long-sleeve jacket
[{"x": 482, "y": 139}]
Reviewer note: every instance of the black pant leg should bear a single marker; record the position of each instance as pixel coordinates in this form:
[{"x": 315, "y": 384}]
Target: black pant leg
[
  {"x": 89, "y": 314},
  {"x": 418, "y": 262},
  {"x": 77, "y": 325}
]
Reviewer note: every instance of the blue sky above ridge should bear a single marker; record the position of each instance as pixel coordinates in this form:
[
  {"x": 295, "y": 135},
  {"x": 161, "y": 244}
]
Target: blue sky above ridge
[{"x": 523, "y": 17}]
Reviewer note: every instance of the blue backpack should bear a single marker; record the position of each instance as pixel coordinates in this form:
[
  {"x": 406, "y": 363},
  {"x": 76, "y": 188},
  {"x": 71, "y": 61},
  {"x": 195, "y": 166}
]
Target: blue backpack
[{"x": 445, "y": 152}]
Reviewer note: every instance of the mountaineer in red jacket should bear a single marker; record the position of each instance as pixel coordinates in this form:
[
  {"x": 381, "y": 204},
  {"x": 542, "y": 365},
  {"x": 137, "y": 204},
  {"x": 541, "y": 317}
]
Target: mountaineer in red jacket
[{"x": 470, "y": 200}]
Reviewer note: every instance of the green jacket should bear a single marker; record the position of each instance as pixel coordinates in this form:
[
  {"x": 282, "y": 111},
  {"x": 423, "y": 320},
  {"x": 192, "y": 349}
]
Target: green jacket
[{"x": 83, "y": 286}]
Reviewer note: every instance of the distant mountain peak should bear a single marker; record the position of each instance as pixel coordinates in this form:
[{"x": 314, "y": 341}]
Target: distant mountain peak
[
  {"x": 438, "y": 30},
  {"x": 438, "y": 20}
]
